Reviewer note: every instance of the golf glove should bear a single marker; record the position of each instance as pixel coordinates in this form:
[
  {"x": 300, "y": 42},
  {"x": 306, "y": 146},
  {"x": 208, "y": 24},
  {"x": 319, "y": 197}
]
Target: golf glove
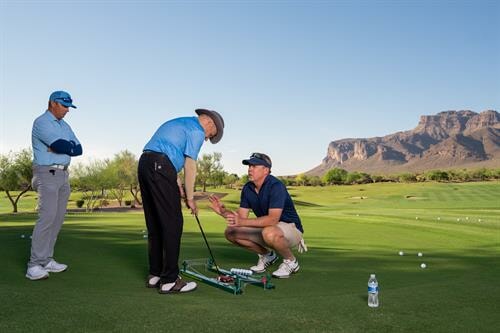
[{"x": 302, "y": 247}]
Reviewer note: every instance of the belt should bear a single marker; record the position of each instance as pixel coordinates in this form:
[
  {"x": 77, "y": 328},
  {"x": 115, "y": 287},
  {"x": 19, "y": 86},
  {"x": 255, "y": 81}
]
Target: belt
[
  {"x": 152, "y": 152},
  {"x": 59, "y": 166}
]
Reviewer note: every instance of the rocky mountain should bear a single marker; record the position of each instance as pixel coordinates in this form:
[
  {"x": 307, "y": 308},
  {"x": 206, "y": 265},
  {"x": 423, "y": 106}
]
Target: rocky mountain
[{"x": 449, "y": 139}]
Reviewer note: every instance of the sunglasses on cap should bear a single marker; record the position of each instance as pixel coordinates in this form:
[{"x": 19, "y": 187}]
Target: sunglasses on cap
[
  {"x": 261, "y": 157},
  {"x": 64, "y": 99}
]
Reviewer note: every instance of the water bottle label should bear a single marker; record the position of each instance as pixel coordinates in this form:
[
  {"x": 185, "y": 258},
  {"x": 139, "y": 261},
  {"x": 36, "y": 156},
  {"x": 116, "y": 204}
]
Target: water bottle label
[{"x": 373, "y": 290}]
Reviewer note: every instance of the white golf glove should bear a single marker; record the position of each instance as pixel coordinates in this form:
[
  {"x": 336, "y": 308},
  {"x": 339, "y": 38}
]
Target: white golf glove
[{"x": 302, "y": 247}]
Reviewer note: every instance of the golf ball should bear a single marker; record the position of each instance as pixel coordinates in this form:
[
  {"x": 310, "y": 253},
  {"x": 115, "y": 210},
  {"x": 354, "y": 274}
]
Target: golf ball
[
  {"x": 423, "y": 265},
  {"x": 439, "y": 218},
  {"x": 145, "y": 236},
  {"x": 416, "y": 218},
  {"x": 22, "y": 236},
  {"x": 419, "y": 254},
  {"x": 401, "y": 253}
]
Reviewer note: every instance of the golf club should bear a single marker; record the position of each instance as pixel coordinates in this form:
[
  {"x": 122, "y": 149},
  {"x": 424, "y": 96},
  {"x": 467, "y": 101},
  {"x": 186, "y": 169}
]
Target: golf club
[{"x": 222, "y": 277}]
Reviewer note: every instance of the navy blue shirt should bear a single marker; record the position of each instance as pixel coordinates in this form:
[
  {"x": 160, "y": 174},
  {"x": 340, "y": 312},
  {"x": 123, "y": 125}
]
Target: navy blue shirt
[{"x": 272, "y": 194}]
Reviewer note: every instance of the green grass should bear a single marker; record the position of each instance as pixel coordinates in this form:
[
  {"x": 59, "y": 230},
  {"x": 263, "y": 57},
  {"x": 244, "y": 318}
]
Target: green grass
[{"x": 351, "y": 231}]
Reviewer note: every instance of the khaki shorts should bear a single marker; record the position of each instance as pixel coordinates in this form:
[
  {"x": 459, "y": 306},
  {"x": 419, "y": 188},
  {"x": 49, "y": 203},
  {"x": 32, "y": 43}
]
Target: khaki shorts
[{"x": 290, "y": 232}]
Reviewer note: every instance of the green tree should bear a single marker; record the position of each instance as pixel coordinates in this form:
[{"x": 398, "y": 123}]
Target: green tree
[
  {"x": 284, "y": 180},
  {"x": 302, "y": 179},
  {"x": 352, "y": 178},
  {"x": 335, "y": 176},
  {"x": 91, "y": 179},
  {"x": 315, "y": 181},
  {"x": 121, "y": 173},
  {"x": 208, "y": 167},
  {"x": 230, "y": 180},
  {"x": 15, "y": 175},
  {"x": 217, "y": 178},
  {"x": 244, "y": 179}
]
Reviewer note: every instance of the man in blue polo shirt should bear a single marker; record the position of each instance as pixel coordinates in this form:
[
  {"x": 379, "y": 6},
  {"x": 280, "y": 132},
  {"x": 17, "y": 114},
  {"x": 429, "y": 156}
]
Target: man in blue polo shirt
[
  {"x": 174, "y": 146},
  {"x": 54, "y": 143},
  {"x": 277, "y": 226}
]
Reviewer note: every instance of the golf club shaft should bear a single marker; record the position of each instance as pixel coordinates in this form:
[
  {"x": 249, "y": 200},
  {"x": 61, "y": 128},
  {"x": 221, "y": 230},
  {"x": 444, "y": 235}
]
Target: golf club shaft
[{"x": 208, "y": 246}]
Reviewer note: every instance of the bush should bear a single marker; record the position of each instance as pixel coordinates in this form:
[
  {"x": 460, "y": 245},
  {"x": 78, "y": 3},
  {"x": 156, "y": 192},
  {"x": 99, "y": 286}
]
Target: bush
[
  {"x": 335, "y": 176},
  {"x": 437, "y": 175},
  {"x": 407, "y": 177},
  {"x": 79, "y": 203}
]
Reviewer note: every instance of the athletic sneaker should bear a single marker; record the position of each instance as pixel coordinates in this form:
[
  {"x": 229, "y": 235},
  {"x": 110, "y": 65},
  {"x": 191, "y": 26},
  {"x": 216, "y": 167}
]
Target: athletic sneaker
[
  {"x": 265, "y": 260},
  {"x": 286, "y": 268},
  {"x": 36, "y": 273},
  {"x": 55, "y": 267}
]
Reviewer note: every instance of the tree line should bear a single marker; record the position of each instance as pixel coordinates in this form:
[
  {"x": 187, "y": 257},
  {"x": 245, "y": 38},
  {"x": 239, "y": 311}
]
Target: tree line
[
  {"x": 116, "y": 178},
  {"x": 338, "y": 176},
  {"x": 103, "y": 180}
]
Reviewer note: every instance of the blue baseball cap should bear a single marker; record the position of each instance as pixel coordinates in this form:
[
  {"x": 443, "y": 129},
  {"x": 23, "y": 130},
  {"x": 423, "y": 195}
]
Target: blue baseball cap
[
  {"x": 62, "y": 98},
  {"x": 258, "y": 159}
]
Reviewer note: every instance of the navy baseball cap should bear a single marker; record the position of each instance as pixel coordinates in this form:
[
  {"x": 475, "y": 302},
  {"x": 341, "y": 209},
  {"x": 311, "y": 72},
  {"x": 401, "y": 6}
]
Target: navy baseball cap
[
  {"x": 258, "y": 159},
  {"x": 62, "y": 98}
]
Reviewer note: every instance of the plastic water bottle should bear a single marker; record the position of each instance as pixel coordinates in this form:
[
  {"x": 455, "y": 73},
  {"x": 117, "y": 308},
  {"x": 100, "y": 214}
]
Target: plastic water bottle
[{"x": 373, "y": 292}]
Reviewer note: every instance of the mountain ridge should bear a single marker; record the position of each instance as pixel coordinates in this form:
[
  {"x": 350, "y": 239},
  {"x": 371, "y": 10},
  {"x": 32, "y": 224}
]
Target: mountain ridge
[{"x": 446, "y": 140}]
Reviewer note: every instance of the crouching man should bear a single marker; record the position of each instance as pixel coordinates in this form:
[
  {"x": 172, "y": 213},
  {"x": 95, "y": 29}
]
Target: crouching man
[{"x": 276, "y": 227}]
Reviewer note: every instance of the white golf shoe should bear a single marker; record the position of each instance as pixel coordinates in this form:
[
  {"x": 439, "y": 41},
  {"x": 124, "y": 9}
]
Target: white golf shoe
[
  {"x": 286, "y": 268},
  {"x": 153, "y": 281},
  {"x": 178, "y": 286},
  {"x": 37, "y": 273},
  {"x": 265, "y": 260},
  {"x": 55, "y": 267}
]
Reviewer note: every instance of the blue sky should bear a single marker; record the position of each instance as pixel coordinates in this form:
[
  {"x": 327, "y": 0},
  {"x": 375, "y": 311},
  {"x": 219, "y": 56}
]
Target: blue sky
[{"x": 288, "y": 76}]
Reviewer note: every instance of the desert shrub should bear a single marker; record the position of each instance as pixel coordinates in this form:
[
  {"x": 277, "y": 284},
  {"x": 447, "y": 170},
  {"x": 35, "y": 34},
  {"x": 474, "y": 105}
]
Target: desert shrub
[
  {"x": 437, "y": 175},
  {"x": 407, "y": 177}
]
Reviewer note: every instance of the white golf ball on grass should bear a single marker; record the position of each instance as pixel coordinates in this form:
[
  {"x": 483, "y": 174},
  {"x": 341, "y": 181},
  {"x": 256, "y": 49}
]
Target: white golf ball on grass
[
  {"x": 401, "y": 253},
  {"x": 423, "y": 265},
  {"x": 420, "y": 254}
]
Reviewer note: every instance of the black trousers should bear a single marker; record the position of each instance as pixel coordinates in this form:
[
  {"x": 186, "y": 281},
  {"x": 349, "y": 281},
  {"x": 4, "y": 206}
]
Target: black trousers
[{"x": 163, "y": 212}]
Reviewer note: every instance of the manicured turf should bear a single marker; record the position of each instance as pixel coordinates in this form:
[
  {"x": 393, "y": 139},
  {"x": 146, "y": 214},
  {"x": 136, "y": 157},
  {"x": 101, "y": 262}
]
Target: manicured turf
[{"x": 351, "y": 231}]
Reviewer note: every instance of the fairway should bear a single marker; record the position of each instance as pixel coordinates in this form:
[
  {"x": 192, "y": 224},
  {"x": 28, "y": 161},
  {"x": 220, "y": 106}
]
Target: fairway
[{"x": 351, "y": 231}]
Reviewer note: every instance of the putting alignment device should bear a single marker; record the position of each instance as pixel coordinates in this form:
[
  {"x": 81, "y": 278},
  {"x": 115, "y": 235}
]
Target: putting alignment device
[{"x": 238, "y": 280}]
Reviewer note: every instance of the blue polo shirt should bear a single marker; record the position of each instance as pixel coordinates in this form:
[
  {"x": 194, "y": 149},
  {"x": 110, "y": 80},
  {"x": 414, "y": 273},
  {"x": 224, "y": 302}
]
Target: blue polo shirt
[
  {"x": 178, "y": 138},
  {"x": 46, "y": 130},
  {"x": 272, "y": 194}
]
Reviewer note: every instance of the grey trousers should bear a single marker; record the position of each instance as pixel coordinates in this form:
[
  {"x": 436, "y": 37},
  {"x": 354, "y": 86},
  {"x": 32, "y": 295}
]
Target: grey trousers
[{"x": 53, "y": 190}]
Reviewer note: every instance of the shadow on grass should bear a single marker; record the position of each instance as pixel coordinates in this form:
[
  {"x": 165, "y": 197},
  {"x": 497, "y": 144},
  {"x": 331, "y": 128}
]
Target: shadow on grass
[{"x": 305, "y": 204}]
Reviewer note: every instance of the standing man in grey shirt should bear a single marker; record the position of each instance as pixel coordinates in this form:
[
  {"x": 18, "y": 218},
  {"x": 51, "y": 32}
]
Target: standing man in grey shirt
[{"x": 54, "y": 143}]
